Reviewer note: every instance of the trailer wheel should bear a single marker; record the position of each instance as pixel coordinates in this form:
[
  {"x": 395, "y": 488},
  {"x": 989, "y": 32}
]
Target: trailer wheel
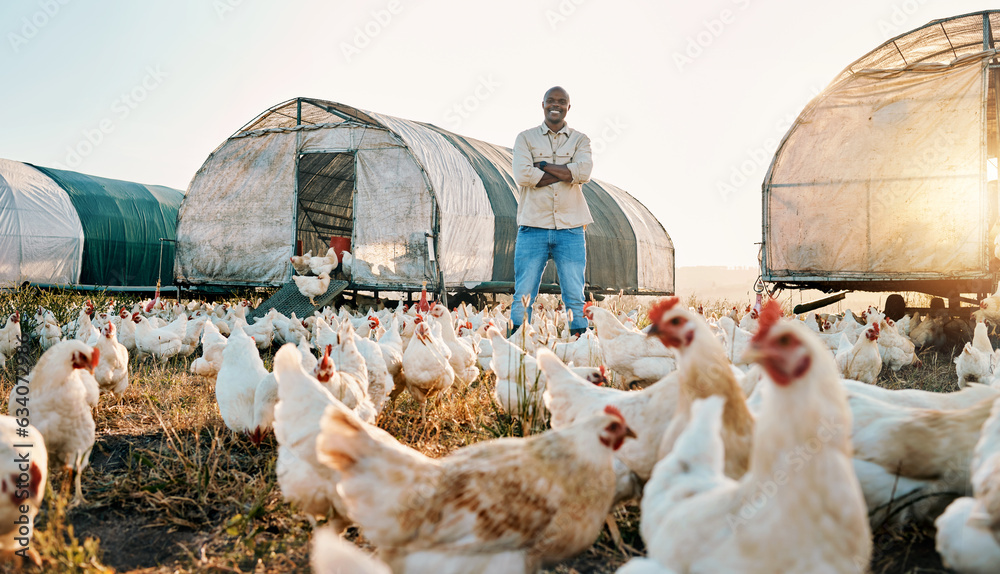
[{"x": 895, "y": 307}]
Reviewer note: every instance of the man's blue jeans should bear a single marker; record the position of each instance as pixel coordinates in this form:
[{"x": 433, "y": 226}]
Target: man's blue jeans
[{"x": 534, "y": 247}]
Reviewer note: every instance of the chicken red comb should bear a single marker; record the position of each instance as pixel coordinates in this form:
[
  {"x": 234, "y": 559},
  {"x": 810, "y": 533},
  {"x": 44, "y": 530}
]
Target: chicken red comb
[
  {"x": 768, "y": 318},
  {"x": 604, "y": 371},
  {"x": 326, "y": 351},
  {"x": 876, "y": 328},
  {"x": 660, "y": 307},
  {"x": 613, "y": 411}
]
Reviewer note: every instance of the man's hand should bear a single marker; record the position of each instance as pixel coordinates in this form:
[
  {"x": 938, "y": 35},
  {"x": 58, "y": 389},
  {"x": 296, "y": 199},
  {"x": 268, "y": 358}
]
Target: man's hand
[
  {"x": 547, "y": 179},
  {"x": 556, "y": 172}
]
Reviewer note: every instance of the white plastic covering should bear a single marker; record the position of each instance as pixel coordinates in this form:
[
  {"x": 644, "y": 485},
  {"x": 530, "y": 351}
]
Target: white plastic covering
[
  {"x": 466, "y": 248},
  {"x": 237, "y": 220},
  {"x": 884, "y": 174},
  {"x": 41, "y": 239}
]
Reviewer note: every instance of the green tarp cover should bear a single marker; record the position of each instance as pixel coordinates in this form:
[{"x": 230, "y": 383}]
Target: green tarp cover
[{"x": 122, "y": 224}]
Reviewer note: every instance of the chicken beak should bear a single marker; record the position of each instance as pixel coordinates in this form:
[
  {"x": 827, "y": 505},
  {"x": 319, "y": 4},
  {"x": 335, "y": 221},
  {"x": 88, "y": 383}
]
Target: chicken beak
[
  {"x": 629, "y": 433},
  {"x": 753, "y": 354}
]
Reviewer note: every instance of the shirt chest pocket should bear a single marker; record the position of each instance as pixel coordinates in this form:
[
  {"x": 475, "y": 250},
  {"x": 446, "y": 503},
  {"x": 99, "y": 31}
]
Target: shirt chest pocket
[
  {"x": 563, "y": 157},
  {"x": 541, "y": 154}
]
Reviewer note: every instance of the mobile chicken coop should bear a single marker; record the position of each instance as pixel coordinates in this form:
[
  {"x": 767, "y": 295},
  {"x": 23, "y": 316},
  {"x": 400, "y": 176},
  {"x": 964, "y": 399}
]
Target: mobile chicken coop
[
  {"x": 61, "y": 228},
  {"x": 412, "y": 202},
  {"x": 887, "y": 181}
]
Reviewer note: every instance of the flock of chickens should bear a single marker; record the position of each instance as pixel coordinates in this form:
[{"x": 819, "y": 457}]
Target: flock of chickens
[{"x": 755, "y": 443}]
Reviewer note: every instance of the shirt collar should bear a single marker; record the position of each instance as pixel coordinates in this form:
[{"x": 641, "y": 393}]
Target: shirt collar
[{"x": 544, "y": 128}]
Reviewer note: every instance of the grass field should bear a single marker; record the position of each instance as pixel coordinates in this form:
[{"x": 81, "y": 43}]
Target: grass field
[{"x": 171, "y": 490}]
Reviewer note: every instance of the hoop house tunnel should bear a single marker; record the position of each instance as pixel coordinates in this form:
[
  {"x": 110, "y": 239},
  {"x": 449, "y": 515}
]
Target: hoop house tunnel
[
  {"x": 66, "y": 228},
  {"x": 411, "y": 201},
  {"x": 888, "y": 179}
]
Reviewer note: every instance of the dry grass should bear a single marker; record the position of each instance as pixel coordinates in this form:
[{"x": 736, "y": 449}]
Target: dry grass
[{"x": 171, "y": 490}]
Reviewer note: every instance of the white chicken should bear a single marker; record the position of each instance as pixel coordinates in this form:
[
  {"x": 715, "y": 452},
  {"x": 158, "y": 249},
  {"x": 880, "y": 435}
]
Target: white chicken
[
  {"x": 694, "y": 519},
  {"x": 520, "y": 384},
  {"x": 366, "y": 356},
  {"x": 968, "y": 533},
  {"x": 347, "y": 379},
  {"x": 301, "y": 262},
  {"x": 303, "y": 480},
  {"x": 325, "y": 264},
  {"x": 972, "y": 394},
  {"x": 506, "y": 505},
  {"x": 112, "y": 371},
  {"x": 570, "y": 399},
  {"x": 737, "y": 340},
  {"x": 862, "y": 362},
  {"x": 975, "y": 362},
  {"x": 162, "y": 343},
  {"x": 331, "y": 554},
  {"x": 10, "y": 335},
  {"x": 23, "y": 473},
  {"x": 59, "y": 393},
  {"x": 236, "y": 384},
  {"x": 702, "y": 371},
  {"x": 585, "y": 351},
  {"x": 635, "y": 356},
  {"x": 391, "y": 345},
  {"x": 312, "y": 287},
  {"x": 464, "y": 353},
  {"x": 896, "y": 349},
  {"x": 915, "y": 452},
  {"x": 426, "y": 364},
  {"x": 262, "y": 331},
  {"x": 49, "y": 333},
  {"x": 192, "y": 333},
  {"x": 212, "y": 345}
]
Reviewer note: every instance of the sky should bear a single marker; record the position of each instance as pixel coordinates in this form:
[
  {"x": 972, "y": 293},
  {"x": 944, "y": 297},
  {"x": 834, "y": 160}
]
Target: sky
[{"x": 685, "y": 102}]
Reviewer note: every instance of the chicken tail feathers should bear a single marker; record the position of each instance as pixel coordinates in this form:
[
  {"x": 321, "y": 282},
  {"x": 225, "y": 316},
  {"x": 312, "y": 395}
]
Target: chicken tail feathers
[{"x": 343, "y": 439}]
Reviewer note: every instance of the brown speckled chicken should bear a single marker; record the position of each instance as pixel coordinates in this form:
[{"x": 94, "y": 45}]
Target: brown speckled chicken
[{"x": 506, "y": 505}]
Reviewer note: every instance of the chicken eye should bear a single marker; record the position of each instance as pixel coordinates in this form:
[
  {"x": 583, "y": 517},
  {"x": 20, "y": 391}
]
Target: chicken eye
[
  {"x": 675, "y": 321},
  {"x": 784, "y": 340}
]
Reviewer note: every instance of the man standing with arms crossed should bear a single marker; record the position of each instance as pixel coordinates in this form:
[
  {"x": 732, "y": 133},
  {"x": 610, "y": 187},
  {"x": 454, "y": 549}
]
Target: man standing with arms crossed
[{"x": 551, "y": 164}]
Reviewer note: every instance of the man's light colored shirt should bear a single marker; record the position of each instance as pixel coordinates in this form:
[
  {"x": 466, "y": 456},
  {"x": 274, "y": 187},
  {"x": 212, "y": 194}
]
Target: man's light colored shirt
[{"x": 560, "y": 205}]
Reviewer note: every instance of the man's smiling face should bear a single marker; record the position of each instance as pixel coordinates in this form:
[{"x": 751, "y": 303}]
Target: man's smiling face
[{"x": 555, "y": 105}]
